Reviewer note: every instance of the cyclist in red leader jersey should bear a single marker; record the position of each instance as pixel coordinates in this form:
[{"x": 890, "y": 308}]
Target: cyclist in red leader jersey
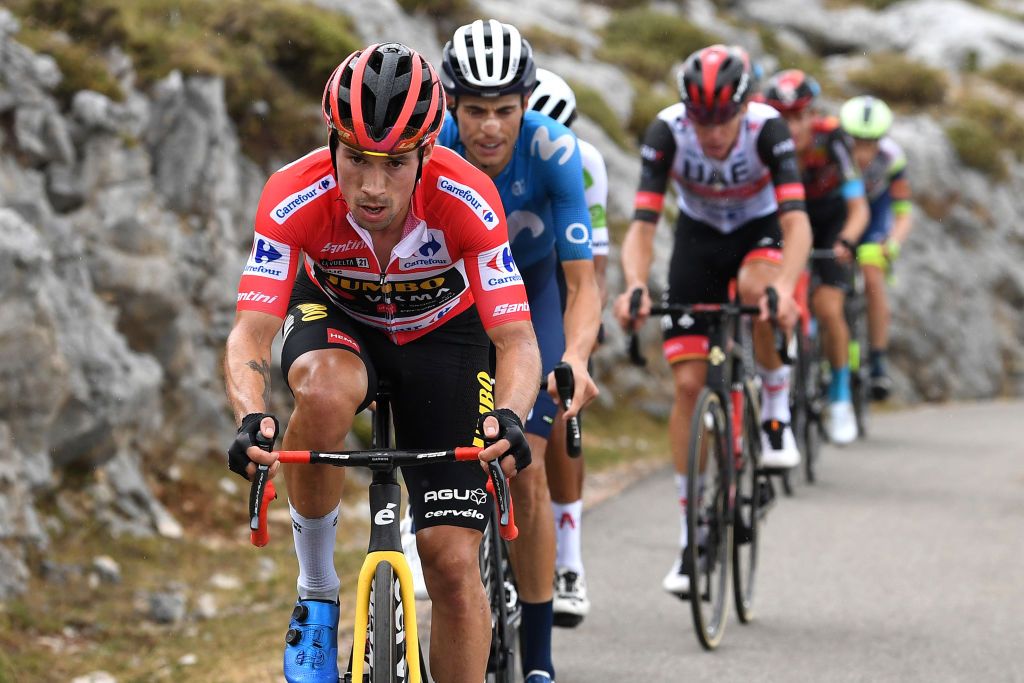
[
  {"x": 739, "y": 193},
  {"x": 404, "y": 271}
]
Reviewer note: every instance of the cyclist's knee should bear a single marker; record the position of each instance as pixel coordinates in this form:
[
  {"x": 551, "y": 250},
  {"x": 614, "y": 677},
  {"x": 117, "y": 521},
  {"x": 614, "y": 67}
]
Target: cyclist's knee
[
  {"x": 689, "y": 378},
  {"x": 451, "y": 565},
  {"x": 319, "y": 393}
]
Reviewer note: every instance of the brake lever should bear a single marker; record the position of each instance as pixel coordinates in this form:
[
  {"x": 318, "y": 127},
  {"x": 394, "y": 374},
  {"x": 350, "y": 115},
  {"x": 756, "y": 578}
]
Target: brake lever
[
  {"x": 566, "y": 385},
  {"x": 780, "y": 336},
  {"x": 635, "y": 356},
  {"x": 261, "y": 493},
  {"x": 497, "y": 486}
]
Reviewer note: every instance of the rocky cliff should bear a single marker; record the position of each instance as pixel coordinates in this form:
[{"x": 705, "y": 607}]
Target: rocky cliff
[{"x": 124, "y": 225}]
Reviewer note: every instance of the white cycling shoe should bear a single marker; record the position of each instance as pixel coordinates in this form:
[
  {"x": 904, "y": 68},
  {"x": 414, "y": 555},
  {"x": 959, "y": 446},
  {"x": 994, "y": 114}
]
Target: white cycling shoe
[
  {"x": 571, "y": 603},
  {"x": 412, "y": 556},
  {"x": 778, "y": 446},
  {"x": 677, "y": 581},
  {"x": 842, "y": 423}
]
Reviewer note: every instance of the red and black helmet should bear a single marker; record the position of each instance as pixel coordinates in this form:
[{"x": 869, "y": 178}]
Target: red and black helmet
[
  {"x": 714, "y": 82},
  {"x": 791, "y": 91},
  {"x": 385, "y": 99}
]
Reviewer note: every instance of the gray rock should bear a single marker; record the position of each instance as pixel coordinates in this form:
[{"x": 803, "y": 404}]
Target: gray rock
[
  {"x": 13, "y": 571},
  {"x": 168, "y": 606},
  {"x": 107, "y": 569},
  {"x": 64, "y": 187},
  {"x": 95, "y": 677}
]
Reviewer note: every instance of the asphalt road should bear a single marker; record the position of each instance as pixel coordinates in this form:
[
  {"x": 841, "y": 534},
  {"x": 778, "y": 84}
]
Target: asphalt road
[{"x": 905, "y": 562}]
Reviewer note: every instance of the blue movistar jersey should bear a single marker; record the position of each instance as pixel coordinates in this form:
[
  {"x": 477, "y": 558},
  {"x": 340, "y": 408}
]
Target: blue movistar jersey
[{"x": 541, "y": 189}]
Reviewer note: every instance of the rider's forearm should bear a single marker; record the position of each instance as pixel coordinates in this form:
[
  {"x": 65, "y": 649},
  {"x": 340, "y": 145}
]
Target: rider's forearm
[
  {"x": 637, "y": 253},
  {"x": 247, "y": 372},
  {"x": 796, "y": 240},
  {"x": 600, "y": 272},
  {"x": 582, "y": 313},
  {"x": 901, "y": 226},
  {"x": 857, "y": 216},
  {"x": 518, "y": 372}
]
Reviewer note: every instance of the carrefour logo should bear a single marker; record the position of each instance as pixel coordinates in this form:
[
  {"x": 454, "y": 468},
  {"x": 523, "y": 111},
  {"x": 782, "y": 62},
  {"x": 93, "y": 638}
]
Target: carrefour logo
[
  {"x": 292, "y": 203},
  {"x": 498, "y": 268},
  {"x": 470, "y": 198},
  {"x": 269, "y": 258}
]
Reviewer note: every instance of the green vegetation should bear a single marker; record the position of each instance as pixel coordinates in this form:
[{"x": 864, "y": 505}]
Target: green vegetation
[
  {"x": 591, "y": 104},
  {"x": 983, "y": 131},
  {"x": 646, "y": 105},
  {"x": 899, "y": 80},
  {"x": 1009, "y": 75},
  {"x": 622, "y": 4},
  {"x": 543, "y": 40},
  {"x": 977, "y": 147},
  {"x": 647, "y": 43},
  {"x": 276, "y": 51},
  {"x": 81, "y": 66},
  {"x": 450, "y": 14}
]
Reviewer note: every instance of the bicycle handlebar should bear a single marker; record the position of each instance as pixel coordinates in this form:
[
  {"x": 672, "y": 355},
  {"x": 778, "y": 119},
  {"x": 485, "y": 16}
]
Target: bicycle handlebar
[
  {"x": 262, "y": 490},
  {"x": 566, "y": 387},
  {"x": 719, "y": 309}
]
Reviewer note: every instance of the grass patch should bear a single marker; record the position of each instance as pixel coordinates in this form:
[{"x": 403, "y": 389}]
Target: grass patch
[
  {"x": 543, "y": 40},
  {"x": 279, "y": 52},
  {"x": 622, "y": 4},
  {"x": 591, "y": 104},
  {"x": 648, "y": 43},
  {"x": 983, "y": 131},
  {"x": 1009, "y": 75},
  {"x": 896, "y": 79},
  {"x": 449, "y": 14},
  {"x": 81, "y": 66},
  {"x": 647, "y": 102}
]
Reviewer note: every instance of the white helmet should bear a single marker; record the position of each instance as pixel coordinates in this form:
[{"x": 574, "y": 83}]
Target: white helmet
[
  {"x": 488, "y": 59},
  {"x": 553, "y": 97}
]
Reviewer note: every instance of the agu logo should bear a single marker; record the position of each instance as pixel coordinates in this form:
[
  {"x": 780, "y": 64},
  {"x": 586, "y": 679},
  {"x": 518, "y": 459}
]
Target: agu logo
[
  {"x": 269, "y": 258},
  {"x": 498, "y": 268}
]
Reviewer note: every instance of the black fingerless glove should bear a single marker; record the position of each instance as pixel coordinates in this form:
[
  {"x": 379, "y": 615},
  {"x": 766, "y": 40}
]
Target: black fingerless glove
[
  {"x": 249, "y": 435},
  {"x": 510, "y": 427}
]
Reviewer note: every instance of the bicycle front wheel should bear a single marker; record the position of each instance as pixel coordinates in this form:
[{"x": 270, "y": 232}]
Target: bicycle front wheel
[
  {"x": 709, "y": 518},
  {"x": 506, "y": 613},
  {"x": 749, "y": 510},
  {"x": 385, "y": 636}
]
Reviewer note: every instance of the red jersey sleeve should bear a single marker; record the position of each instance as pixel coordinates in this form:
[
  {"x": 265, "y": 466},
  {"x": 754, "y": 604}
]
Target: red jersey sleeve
[
  {"x": 269, "y": 274},
  {"x": 477, "y": 220}
]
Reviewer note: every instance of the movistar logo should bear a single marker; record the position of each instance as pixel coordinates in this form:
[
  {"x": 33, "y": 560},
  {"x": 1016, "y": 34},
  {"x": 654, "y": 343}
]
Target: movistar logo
[{"x": 543, "y": 145}]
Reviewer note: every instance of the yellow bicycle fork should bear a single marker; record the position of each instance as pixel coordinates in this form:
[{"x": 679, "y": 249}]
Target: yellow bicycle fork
[{"x": 404, "y": 575}]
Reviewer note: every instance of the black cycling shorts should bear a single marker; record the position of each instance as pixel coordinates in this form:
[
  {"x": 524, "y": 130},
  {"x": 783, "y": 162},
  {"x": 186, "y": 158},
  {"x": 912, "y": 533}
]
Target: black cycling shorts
[
  {"x": 703, "y": 263},
  {"x": 827, "y": 221},
  {"x": 439, "y": 383}
]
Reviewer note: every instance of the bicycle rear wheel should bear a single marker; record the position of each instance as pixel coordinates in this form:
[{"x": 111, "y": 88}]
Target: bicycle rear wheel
[
  {"x": 386, "y": 637},
  {"x": 506, "y": 614},
  {"x": 709, "y": 512},
  {"x": 810, "y": 434},
  {"x": 748, "y": 512}
]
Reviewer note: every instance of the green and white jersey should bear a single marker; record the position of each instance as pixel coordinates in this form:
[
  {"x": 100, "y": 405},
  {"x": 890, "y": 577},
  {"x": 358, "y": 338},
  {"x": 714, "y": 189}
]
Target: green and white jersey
[{"x": 595, "y": 189}]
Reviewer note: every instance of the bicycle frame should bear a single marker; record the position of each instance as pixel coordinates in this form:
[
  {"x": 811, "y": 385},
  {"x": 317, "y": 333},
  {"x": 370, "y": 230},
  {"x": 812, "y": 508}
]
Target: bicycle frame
[{"x": 385, "y": 544}]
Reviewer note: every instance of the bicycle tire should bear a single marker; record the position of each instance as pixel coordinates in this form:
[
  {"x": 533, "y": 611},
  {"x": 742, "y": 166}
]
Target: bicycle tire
[
  {"x": 384, "y": 630},
  {"x": 812, "y": 430},
  {"x": 710, "y": 505},
  {"x": 502, "y": 594},
  {"x": 748, "y": 512}
]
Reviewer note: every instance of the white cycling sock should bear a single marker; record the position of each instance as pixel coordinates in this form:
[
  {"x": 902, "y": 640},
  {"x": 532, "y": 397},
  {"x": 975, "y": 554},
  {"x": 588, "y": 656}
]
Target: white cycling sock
[
  {"x": 314, "y": 547},
  {"x": 681, "y": 483},
  {"x": 568, "y": 518},
  {"x": 775, "y": 393}
]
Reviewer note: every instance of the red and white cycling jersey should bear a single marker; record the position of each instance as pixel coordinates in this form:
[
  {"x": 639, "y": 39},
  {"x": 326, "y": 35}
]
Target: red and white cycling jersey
[
  {"x": 454, "y": 251},
  {"x": 759, "y": 176}
]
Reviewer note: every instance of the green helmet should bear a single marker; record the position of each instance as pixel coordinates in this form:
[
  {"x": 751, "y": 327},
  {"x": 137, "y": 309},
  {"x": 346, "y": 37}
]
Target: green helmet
[{"x": 865, "y": 117}]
